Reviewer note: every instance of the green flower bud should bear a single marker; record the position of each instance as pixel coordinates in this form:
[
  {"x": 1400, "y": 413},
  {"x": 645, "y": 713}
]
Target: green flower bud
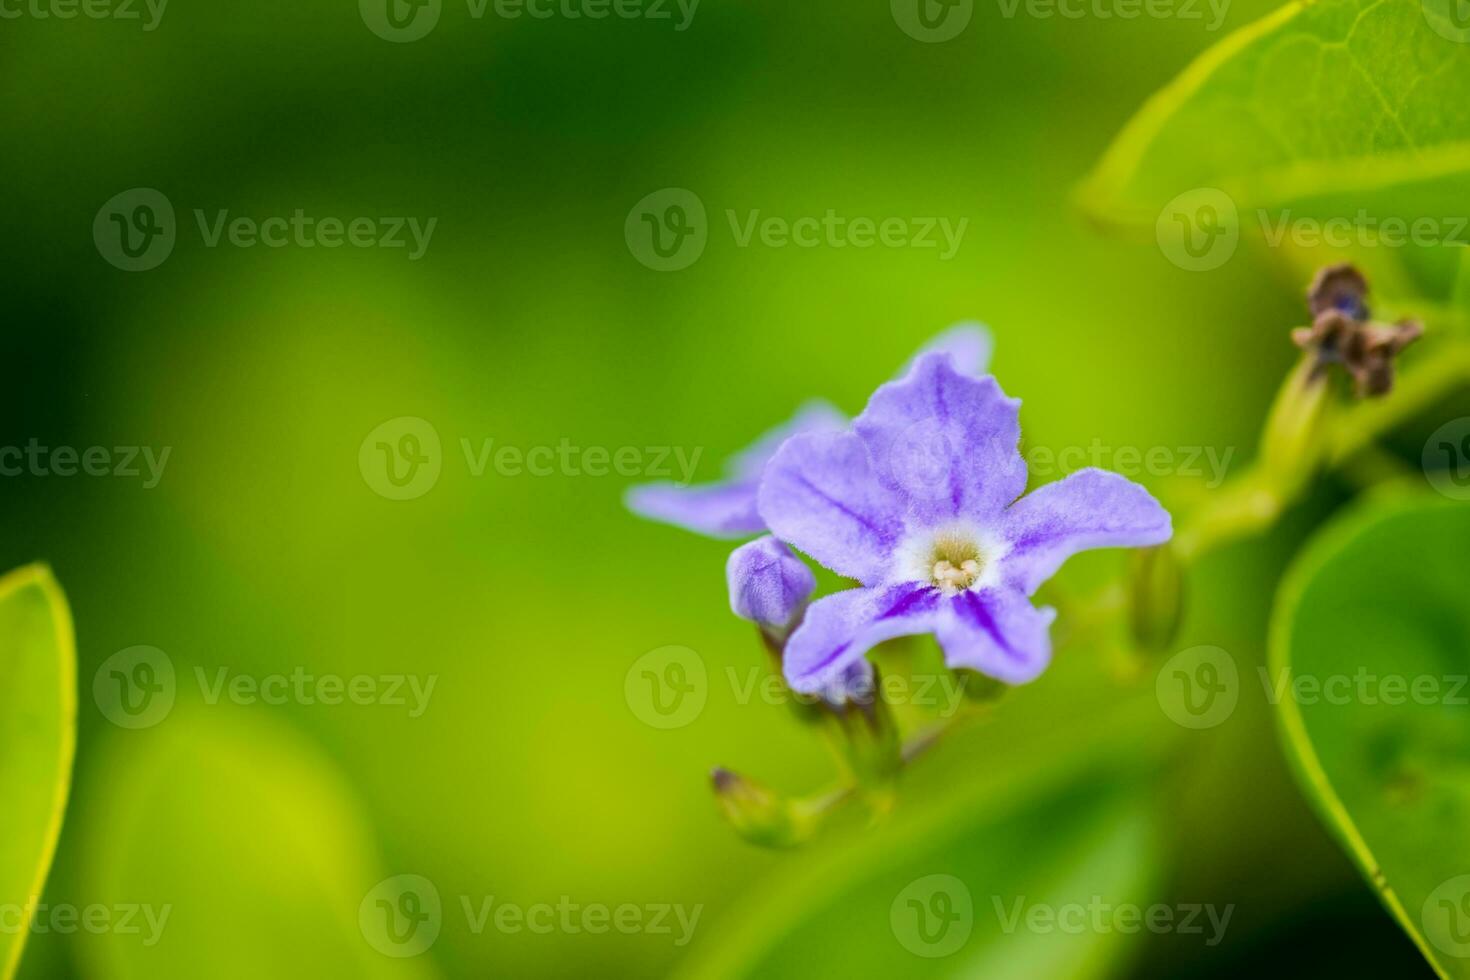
[
  {"x": 757, "y": 813},
  {"x": 865, "y": 736},
  {"x": 1156, "y": 598}
]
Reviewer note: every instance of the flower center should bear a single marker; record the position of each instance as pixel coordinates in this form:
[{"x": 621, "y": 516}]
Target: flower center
[{"x": 955, "y": 562}]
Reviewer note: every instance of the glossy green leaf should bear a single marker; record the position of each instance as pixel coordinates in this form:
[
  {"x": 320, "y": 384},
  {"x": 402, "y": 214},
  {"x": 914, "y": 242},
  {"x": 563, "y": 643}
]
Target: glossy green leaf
[
  {"x": 242, "y": 851},
  {"x": 953, "y": 892},
  {"x": 38, "y": 721},
  {"x": 1369, "y": 664},
  {"x": 1327, "y": 106}
]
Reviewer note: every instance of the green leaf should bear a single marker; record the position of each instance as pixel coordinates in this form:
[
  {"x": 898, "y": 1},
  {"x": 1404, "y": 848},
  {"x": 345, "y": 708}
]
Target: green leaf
[
  {"x": 1318, "y": 105},
  {"x": 949, "y": 893},
  {"x": 1379, "y": 597},
  {"x": 38, "y": 724},
  {"x": 241, "y": 846}
]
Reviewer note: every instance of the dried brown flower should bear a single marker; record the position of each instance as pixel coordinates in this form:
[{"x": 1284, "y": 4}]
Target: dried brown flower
[{"x": 1342, "y": 331}]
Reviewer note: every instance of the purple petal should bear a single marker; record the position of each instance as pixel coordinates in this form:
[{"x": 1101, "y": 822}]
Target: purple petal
[
  {"x": 728, "y": 509},
  {"x": 840, "y": 628},
  {"x": 719, "y": 510},
  {"x": 820, "y": 495},
  {"x": 1090, "y": 509},
  {"x": 997, "y": 632},
  {"x": 945, "y": 443},
  {"x": 768, "y": 584},
  {"x": 814, "y": 416},
  {"x": 969, "y": 346}
]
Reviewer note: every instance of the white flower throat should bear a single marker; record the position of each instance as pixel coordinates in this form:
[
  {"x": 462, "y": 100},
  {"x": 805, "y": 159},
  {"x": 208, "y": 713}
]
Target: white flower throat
[{"x": 954, "y": 559}]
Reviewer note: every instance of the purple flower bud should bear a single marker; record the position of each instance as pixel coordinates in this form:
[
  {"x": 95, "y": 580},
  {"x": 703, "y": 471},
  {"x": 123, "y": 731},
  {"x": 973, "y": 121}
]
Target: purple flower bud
[{"x": 768, "y": 584}]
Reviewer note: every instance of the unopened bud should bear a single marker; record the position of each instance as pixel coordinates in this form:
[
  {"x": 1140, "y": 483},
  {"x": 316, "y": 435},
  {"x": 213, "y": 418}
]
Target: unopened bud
[
  {"x": 865, "y": 735},
  {"x": 1156, "y": 600},
  {"x": 1295, "y": 437},
  {"x": 758, "y": 814},
  {"x": 768, "y": 585}
]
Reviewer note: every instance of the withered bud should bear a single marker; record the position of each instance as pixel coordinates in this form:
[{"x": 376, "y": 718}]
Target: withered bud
[
  {"x": 1342, "y": 333},
  {"x": 1341, "y": 288}
]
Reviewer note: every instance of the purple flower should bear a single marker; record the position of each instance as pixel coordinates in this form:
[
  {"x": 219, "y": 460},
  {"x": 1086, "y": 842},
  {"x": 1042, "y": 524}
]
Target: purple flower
[
  {"x": 728, "y": 509},
  {"x": 768, "y": 584},
  {"x": 918, "y": 502}
]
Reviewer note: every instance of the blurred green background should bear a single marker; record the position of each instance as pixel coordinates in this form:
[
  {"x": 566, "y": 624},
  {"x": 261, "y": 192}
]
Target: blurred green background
[{"x": 529, "y": 321}]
